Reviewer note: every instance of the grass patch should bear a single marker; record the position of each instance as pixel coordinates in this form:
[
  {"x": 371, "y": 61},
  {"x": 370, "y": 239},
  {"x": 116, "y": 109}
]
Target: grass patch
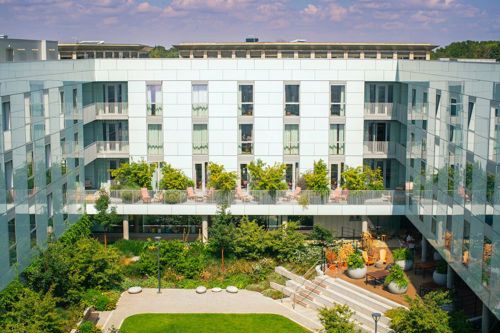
[{"x": 208, "y": 323}]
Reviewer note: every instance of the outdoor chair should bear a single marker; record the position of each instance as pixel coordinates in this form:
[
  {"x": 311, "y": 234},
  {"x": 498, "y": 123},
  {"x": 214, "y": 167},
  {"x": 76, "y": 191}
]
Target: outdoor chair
[
  {"x": 369, "y": 260},
  {"x": 190, "y": 193},
  {"x": 146, "y": 198},
  {"x": 242, "y": 195},
  {"x": 336, "y": 195},
  {"x": 295, "y": 194},
  {"x": 382, "y": 259},
  {"x": 158, "y": 197}
]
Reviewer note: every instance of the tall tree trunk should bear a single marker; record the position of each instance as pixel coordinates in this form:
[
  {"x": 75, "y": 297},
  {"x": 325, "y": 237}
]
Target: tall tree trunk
[
  {"x": 222, "y": 259},
  {"x": 105, "y": 240}
]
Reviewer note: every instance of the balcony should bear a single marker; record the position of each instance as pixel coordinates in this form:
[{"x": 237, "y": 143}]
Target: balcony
[
  {"x": 246, "y": 148},
  {"x": 154, "y": 109},
  {"x": 199, "y": 110},
  {"x": 106, "y": 149},
  {"x": 384, "y": 111},
  {"x": 337, "y": 148},
  {"x": 105, "y": 111},
  {"x": 384, "y": 149}
]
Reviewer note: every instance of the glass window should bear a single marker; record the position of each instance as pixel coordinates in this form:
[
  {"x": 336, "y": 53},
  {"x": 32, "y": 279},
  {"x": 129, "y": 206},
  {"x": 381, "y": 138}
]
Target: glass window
[
  {"x": 438, "y": 101},
  {"x": 453, "y": 107},
  {"x": 292, "y": 106},
  {"x": 6, "y": 116},
  {"x": 30, "y": 171},
  {"x": 337, "y": 100},
  {"x": 245, "y": 99},
  {"x": 75, "y": 100},
  {"x": 466, "y": 243},
  {"x": 33, "y": 230},
  {"x": 155, "y": 139},
  {"x": 246, "y": 139},
  {"x": 470, "y": 111},
  {"x": 200, "y": 139},
  {"x": 154, "y": 100},
  {"x": 291, "y": 139},
  {"x": 12, "y": 242},
  {"x": 199, "y": 100},
  {"x": 243, "y": 176},
  {"x": 413, "y": 97},
  {"x": 336, "y": 139}
]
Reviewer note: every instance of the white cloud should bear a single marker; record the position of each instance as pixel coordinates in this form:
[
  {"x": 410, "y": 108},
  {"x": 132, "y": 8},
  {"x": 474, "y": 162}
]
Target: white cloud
[{"x": 336, "y": 12}]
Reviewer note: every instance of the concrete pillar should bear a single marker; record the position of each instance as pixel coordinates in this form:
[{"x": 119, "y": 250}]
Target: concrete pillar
[
  {"x": 204, "y": 229},
  {"x": 423, "y": 255},
  {"x": 361, "y": 55},
  {"x": 346, "y": 54},
  {"x": 284, "y": 221},
  {"x": 449, "y": 277},
  {"x": 278, "y": 55},
  {"x": 379, "y": 55},
  {"x": 329, "y": 54},
  {"x": 485, "y": 321},
  {"x": 428, "y": 56},
  {"x": 364, "y": 224},
  {"x": 125, "y": 227}
]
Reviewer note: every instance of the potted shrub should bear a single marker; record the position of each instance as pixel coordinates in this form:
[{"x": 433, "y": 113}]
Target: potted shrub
[
  {"x": 356, "y": 268},
  {"x": 403, "y": 258},
  {"x": 440, "y": 274},
  {"x": 396, "y": 282}
]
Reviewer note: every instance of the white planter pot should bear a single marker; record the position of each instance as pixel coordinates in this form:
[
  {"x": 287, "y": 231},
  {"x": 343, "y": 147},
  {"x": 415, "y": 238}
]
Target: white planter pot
[
  {"x": 357, "y": 273},
  {"x": 439, "y": 278},
  {"x": 405, "y": 265},
  {"x": 393, "y": 288},
  {"x": 436, "y": 256}
]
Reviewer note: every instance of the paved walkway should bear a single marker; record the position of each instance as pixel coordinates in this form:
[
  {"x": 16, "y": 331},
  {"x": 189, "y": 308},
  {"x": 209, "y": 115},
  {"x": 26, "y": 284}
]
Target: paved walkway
[{"x": 187, "y": 301}]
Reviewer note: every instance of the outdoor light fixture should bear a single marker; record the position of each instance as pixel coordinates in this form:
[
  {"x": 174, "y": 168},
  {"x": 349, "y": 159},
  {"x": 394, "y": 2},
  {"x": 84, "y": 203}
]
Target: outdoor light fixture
[
  {"x": 376, "y": 316},
  {"x": 157, "y": 239}
]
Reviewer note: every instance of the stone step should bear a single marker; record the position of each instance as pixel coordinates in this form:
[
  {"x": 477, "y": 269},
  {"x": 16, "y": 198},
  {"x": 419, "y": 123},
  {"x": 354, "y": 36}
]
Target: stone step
[
  {"x": 353, "y": 298},
  {"x": 289, "y": 275}
]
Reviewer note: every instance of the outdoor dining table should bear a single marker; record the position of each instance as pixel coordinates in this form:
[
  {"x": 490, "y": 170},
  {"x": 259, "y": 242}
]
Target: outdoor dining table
[{"x": 377, "y": 276}]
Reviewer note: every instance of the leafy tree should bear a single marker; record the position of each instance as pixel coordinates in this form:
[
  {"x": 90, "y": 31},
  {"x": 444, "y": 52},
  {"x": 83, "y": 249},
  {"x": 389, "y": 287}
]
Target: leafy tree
[
  {"x": 33, "y": 313},
  {"x": 132, "y": 175},
  {"x": 317, "y": 180},
  {"x": 364, "y": 178},
  {"x": 220, "y": 179},
  {"x": 469, "y": 49},
  {"x": 424, "y": 315},
  {"x": 286, "y": 241},
  {"x": 105, "y": 216},
  {"x": 160, "y": 52},
  {"x": 81, "y": 229},
  {"x": 321, "y": 235},
  {"x": 267, "y": 177},
  {"x": 337, "y": 319},
  {"x": 174, "y": 179},
  {"x": 222, "y": 233},
  {"x": 250, "y": 240}
]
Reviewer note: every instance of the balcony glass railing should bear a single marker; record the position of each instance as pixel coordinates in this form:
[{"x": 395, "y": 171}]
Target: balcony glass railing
[
  {"x": 337, "y": 148},
  {"x": 251, "y": 197},
  {"x": 112, "y": 146},
  {"x": 200, "y": 110},
  {"x": 154, "y": 109},
  {"x": 111, "y": 108},
  {"x": 379, "y": 109}
]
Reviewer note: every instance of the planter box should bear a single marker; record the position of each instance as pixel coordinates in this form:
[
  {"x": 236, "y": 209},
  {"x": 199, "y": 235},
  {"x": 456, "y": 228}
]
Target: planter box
[
  {"x": 393, "y": 288},
  {"x": 357, "y": 273}
]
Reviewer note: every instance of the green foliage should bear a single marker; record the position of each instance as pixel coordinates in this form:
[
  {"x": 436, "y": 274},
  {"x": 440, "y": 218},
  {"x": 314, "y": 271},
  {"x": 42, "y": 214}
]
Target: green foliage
[
  {"x": 220, "y": 179},
  {"x": 363, "y": 178},
  {"x": 105, "y": 216},
  {"x": 222, "y": 233},
  {"x": 424, "y": 315},
  {"x": 402, "y": 253},
  {"x": 132, "y": 175},
  {"x": 8, "y": 297},
  {"x": 250, "y": 240},
  {"x": 306, "y": 256},
  {"x": 32, "y": 312},
  {"x": 469, "y": 50},
  {"x": 267, "y": 177},
  {"x": 129, "y": 247},
  {"x": 100, "y": 300},
  {"x": 88, "y": 327},
  {"x": 286, "y": 241},
  {"x": 337, "y": 319},
  {"x": 69, "y": 269},
  {"x": 396, "y": 275},
  {"x": 355, "y": 261},
  {"x": 317, "y": 180},
  {"x": 174, "y": 179},
  {"x": 81, "y": 229},
  {"x": 459, "y": 323},
  {"x": 160, "y": 52},
  {"x": 321, "y": 234}
]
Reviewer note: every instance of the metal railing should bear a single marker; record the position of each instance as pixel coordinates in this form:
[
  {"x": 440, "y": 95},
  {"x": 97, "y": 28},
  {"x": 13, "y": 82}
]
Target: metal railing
[{"x": 305, "y": 280}]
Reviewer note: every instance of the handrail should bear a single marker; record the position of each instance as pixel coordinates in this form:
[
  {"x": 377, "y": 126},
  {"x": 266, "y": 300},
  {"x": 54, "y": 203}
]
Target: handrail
[{"x": 313, "y": 267}]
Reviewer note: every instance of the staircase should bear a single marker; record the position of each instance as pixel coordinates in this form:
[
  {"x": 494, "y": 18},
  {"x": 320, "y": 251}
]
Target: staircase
[{"x": 325, "y": 291}]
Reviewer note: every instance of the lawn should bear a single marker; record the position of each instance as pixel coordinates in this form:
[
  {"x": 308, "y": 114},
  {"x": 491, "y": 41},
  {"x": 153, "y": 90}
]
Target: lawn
[{"x": 210, "y": 323}]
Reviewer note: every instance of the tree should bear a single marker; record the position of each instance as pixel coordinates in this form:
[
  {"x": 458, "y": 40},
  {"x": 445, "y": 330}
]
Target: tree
[
  {"x": 424, "y": 315},
  {"x": 469, "y": 49},
  {"x": 33, "y": 313},
  {"x": 220, "y": 179},
  {"x": 266, "y": 177},
  {"x": 286, "y": 241},
  {"x": 81, "y": 229},
  {"x": 317, "y": 180},
  {"x": 174, "y": 179},
  {"x": 105, "y": 216},
  {"x": 132, "y": 175},
  {"x": 160, "y": 52},
  {"x": 364, "y": 178},
  {"x": 222, "y": 233},
  {"x": 337, "y": 319},
  {"x": 321, "y": 234},
  {"x": 250, "y": 240}
]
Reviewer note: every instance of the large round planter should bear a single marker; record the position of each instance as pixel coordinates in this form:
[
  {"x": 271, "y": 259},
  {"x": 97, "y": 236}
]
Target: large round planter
[
  {"x": 357, "y": 273},
  {"x": 393, "y": 288},
  {"x": 436, "y": 256},
  {"x": 439, "y": 279},
  {"x": 405, "y": 265}
]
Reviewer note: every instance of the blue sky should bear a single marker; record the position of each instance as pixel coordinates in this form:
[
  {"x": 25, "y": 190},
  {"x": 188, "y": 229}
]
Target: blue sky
[{"x": 168, "y": 22}]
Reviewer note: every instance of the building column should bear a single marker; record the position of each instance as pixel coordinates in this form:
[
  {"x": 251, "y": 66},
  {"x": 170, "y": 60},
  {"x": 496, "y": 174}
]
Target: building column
[
  {"x": 125, "y": 227},
  {"x": 284, "y": 221},
  {"x": 485, "y": 320},
  {"x": 364, "y": 224},
  {"x": 423, "y": 255},
  {"x": 204, "y": 229},
  {"x": 449, "y": 277}
]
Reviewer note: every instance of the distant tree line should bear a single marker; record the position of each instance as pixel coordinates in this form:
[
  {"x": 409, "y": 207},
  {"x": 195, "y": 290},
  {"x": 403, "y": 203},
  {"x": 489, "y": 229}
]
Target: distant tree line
[
  {"x": 470, "y": 50},
  {"x": 161, "y": 52}
]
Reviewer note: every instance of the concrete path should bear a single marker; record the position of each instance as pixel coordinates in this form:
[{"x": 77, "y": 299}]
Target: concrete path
[{"x": 187, "y": 301}]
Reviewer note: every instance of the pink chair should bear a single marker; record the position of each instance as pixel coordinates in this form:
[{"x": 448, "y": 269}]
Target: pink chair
[
  {"x": 295, "y": 194},
  {"x": 336, "y": 195},
  {"x": 190, "y": 193},
  {"x": 344, "y": 195},
  {"x": 146, "y": 198}
]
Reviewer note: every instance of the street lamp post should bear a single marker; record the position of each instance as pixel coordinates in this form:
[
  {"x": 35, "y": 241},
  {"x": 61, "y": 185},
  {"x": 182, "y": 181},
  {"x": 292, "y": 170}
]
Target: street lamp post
[
  {"x": 157, "y": 239},
  {"x": 376, "y": 316}
]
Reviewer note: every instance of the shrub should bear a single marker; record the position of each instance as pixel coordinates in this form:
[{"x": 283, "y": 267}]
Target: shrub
[
  {"x": 174, "y": 197},
  {"x": 130, "y": 247},
  {"x": 306, "y": 256},
  {"x": 396, "y": 275},
  {"x": 267, "y": 177},
  {"x": 272, "y": 293},
  {"x": 402, "y": 253},
  {"x": 101, "y": 301},
  {"x": 317, "y": 179},
  {"x": 81, "y": 229},
  {"x": 355, "y": 261},
  {"x": 174, "y": 179},
  {"x": 363, "y": 178},
  {"x": 129, "y": 174},
  {"x": 286, "y": 241},
  {"x": 321, "y": 234},
  {"x": 250, "y": 240},
  {"x": 88, "y": 327},
  {"x": 220, "y": 179},
  {"x": 337, "y": 319}
]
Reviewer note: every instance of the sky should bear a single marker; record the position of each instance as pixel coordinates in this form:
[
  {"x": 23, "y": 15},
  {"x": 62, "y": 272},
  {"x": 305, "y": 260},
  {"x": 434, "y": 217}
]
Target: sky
[{"x": 167, "y": 22}]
